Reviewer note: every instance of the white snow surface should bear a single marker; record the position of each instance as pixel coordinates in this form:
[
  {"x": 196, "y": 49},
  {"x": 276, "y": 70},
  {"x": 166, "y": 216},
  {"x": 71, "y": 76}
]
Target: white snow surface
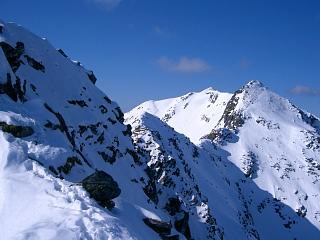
[
  {"x": 274, "y": 156},
  {"x": 39, "y": 199},
  {"x": 194, "y": 110},
  {"x": 243, "y": 165}
]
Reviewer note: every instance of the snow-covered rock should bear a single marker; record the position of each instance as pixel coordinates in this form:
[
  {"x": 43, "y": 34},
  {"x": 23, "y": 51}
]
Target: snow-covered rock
[
  {"x": 206, "y": 165},
  {"x": 191, "y": 111},
  {"x": 57, "y": 128},
  {"x": 263, "y": 145}
]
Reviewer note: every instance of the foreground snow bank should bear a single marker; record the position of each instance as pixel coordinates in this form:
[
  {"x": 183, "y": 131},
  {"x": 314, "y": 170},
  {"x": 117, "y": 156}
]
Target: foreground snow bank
[{"x": 36, "y": 205}]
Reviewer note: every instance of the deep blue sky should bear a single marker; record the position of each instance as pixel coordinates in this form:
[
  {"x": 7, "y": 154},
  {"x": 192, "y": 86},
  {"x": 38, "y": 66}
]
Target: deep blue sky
[{"x": 152, "y": 49}]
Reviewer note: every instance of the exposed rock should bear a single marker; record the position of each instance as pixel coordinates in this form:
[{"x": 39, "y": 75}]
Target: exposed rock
[
  {"x": 62, "y": 123},
  {"x": 310, "y": 119},
  {"x": 102, "y": 187},
  {"x": 16, "y": 131},
  {"x": 70, "y": 163},
  {"x": 182, "y": 225},
  {"x": 92, "y": 77},
  {"x": 103, "y": 109},
  {"x": 53, "y": 126},
  {"x": 14, "y": 91},
  {"x": 108, "y": 100},
  {"x": 35, "y": 64},
  {"x": 231, "y": 118},
  {"x": 302, "y": 211},
  {"x": 80, "y": 103},
  {"x": 222, "y": 136},
  {"x": 119, "y": 114},
  {"x": 160, "y": 227},
  {"x": 250, "y": 165},
  {"x": 106, "y": 157},
  {"x": 172, "y": 237},
  {"x": 52, "y": 169},
  {"x": 62, "y": 53},
  {"x": 128, "y": 131},
  {"x": 173, "y": 206},
  {"x": 151, "y": 189},
  {"x": 13, "y": 54},
  {"x": 112, "y": 121}
]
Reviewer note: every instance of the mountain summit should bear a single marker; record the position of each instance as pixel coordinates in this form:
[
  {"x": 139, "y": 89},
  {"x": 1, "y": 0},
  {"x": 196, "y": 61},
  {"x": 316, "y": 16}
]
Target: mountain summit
[
  {"x": 275, "y": 144},
  {"x": 206, "y": 165}
]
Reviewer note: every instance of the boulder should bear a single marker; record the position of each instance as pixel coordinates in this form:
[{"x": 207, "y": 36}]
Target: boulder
[
  {"x": 163, "y": 228},
  {"x": 171, "y": 237},
  {"x": 173, "y": 205},
  {"x": 102, "y": 187},
  {"x": 16, "y": 131}
]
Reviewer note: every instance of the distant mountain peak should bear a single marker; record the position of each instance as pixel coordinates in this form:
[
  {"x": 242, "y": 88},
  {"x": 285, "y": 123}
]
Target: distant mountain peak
[
  {"x": 254, "y": 84},
  {"x": 273, "y": 143}
]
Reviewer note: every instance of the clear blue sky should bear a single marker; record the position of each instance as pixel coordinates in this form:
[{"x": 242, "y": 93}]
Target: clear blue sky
[{"x": 152, "y": 49}]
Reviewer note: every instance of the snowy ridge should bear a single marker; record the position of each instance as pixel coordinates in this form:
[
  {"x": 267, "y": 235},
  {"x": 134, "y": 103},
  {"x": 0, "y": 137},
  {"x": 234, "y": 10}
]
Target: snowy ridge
[
  {"x": 274, "y": 144},
  {"x": 206, "y": 165},
  {"x": 278, "y": 146},
  {"x": 202, "y": 110},
  {"x": 56, "y": 129}
]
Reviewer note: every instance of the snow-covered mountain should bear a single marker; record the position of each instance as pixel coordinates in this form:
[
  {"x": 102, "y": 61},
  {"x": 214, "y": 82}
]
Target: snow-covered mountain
[
  {"x": 200, "y": 110},
  {"x": 273, "y": 143},
  {"x": 58, "y": 128},
  {"x": 206, "y": 165}
]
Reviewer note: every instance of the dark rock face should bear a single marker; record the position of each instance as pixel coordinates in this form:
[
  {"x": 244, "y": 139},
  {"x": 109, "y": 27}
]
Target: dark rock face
[
  {"x": 92, "y": 77},
  {"x": 70, "y": 163},
  {"x": 62, "y": 53},
  {"x": 102, "y": 187},
  {"x": 119, "y": 114},
  {"x": 16, "y": 131},
  {"x": 80, "y": 103},
  {"x": 13, "y": 54},
  {"x": 182, "y": 225},
  {"x": 311, "y": 120},
  {"x": 151, "y": 189},
  {"x": 301, "y": 211},
  {"x": 14, "y": 91},
  {"x": 173, "y": 206},
  {"x": 222, "y": 136},
  {"x": 163, "y": 228},
  {"x": 172, "y": 237},
  {"x": 231, "y": 118},
  {"x": 35, "y": 64}
]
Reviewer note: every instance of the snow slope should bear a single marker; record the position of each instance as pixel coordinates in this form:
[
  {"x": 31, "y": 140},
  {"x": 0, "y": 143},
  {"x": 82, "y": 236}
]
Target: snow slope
[
  {"x": 56, "y": 129},
  {"x": 207, "y": 165},
  {"x": 202, "y": 110},
  {"x": 264, "y": 145},
  {"x": 211, "y": 188},
  {"x": 278, "y": 146}
]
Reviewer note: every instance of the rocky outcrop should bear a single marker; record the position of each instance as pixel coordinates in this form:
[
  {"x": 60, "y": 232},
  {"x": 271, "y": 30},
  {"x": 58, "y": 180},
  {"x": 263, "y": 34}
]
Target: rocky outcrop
[
  {"x": 13, "y": 54},
  {"x": 92, "y": 77},
  {"x": 160, "y": 227},
  {"x": 16, "y": 131},
  {"x": 15, "y": 91},
  {"x": 35, "y": 64},
  {"x": 102, "y": 187},
  {"x": 182, "y": 225}
]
